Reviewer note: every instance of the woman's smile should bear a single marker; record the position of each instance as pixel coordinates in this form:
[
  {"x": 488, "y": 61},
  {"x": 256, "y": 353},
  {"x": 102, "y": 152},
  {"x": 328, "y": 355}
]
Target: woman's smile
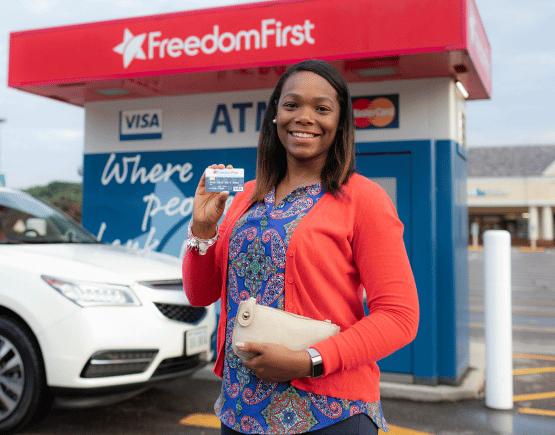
[{"x": 300, "y": 134}]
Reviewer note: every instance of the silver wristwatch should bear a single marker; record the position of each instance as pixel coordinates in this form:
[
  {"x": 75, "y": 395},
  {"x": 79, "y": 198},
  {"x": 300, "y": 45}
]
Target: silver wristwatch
[{"x": 317, "y": 363}]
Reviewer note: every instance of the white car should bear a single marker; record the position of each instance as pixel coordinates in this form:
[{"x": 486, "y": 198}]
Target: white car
[{"x": 86, "y": 323}]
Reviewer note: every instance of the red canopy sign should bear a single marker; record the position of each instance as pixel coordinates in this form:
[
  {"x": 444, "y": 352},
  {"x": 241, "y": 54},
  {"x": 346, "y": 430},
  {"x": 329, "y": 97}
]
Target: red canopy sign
[{"x": 245, "y": 36}]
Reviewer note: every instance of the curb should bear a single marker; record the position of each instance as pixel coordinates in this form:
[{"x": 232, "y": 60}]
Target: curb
[{"x": 470, "y": 387}]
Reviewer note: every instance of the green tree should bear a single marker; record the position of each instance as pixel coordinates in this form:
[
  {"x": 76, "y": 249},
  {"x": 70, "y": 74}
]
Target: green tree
[{"x": 67, "y": 197}]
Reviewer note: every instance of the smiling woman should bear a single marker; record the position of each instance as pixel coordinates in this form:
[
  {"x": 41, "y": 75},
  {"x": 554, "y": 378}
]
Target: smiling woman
[
  {"x": 306, "y": 237},
  {"x": 312, "y": 100}
]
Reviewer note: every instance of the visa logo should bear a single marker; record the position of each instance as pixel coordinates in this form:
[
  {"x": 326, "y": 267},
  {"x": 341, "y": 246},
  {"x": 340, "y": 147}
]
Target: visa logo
[{"x": 140, "y": 125}]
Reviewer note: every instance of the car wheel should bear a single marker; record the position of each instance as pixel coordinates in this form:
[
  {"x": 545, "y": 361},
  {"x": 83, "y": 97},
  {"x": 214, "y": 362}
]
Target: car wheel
[{"x": 23, "y": 391}]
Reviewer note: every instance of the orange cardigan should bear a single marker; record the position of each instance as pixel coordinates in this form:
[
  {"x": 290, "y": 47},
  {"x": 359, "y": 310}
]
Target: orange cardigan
[{"x": 343, "y": 244}]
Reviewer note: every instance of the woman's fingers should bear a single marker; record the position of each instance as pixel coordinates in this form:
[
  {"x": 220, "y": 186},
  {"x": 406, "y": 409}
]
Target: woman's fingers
[
  {"x": 202, "y": 182},
  {"x": 222, "y": 198},
  {"x": 276, "y": 363},
  {"x": 208, "y": 207}
]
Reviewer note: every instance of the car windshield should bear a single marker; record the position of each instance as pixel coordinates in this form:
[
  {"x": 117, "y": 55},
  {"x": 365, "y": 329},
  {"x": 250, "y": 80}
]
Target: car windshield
[{"x": 24, "y": 219}]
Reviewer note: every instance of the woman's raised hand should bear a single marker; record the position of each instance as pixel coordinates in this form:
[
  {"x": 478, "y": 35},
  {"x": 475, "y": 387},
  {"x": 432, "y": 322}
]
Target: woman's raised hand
[{"x": 208, "y": 208}]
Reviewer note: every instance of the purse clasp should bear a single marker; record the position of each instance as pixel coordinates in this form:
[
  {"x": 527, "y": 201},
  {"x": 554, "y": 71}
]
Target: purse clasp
[{"x": 246, "y": 312}]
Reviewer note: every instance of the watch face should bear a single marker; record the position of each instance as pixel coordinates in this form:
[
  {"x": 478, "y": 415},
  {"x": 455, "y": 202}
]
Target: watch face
[{"x": 317, "y": 369}]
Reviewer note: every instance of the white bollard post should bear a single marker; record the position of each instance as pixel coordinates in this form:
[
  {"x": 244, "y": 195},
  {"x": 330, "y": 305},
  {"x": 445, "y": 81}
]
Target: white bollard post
[{"x": 498, "y": 319}]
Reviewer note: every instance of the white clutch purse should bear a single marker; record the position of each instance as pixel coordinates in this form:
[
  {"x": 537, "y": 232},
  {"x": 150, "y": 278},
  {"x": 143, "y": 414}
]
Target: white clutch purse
[{"x": 260, "y": 324}]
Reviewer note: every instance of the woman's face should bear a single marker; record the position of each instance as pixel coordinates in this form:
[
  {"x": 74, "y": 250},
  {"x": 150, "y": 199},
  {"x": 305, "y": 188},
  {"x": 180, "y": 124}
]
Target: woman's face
[{"x": 307, "y": 117}]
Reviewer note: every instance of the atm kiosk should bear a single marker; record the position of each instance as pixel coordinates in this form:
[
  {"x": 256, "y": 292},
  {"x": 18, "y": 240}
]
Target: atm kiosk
[{"x": 167, "y": 95}]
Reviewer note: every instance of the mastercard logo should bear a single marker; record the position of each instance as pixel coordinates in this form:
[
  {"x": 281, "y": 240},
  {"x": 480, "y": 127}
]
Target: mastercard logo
[{"x": 378, "y": 112}]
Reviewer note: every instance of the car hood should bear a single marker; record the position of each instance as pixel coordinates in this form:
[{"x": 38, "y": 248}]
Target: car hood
[{"x": 99, "y": 262}]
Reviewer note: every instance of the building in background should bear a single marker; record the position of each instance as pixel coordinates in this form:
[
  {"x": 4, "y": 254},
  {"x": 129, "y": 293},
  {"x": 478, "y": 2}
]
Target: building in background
[{"x": 513, "y": 188}]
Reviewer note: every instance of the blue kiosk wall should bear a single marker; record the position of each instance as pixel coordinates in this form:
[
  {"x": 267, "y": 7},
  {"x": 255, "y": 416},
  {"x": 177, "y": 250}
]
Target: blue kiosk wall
[
  {"x": 430, "y": 197},
  {"x": 452, "y": 262}
]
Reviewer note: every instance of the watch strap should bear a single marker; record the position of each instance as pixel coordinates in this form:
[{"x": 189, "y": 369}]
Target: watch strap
[{"x": 317, "y": 363}]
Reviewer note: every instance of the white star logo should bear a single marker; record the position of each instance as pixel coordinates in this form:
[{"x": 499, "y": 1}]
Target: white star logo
[{"x": 131, "y": 47}]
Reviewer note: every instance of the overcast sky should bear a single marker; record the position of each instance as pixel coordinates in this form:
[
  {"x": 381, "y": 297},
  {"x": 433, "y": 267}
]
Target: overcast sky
[{"x": 42, "y": 140}]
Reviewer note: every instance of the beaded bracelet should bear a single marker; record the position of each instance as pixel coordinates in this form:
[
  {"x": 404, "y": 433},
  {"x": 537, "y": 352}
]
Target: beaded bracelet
[{"x": 201, "y": 245}]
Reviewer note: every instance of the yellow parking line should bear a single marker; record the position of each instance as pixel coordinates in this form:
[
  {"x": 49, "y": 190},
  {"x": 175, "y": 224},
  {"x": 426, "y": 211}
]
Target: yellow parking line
[
  {"x": 532, "y": 371},
  {"x": 204, "y": 420},
  {"x": 538, "y": 396},
  {"x": 537, "y": 411},
  {"x": 396, "y": 430},
  {"x": 530, "y": 356}
]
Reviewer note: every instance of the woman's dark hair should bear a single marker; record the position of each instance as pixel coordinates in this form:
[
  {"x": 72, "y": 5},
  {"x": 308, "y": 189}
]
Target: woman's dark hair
[{"x": 271, "y": 164}]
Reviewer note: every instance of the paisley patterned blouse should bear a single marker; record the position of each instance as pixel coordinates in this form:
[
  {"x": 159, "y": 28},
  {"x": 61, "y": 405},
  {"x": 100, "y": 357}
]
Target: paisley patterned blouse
[{"x": 257, "y": 269}]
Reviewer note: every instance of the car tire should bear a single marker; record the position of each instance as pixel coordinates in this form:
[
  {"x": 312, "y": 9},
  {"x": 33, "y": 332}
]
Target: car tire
[{"x": 24, "y": 396}]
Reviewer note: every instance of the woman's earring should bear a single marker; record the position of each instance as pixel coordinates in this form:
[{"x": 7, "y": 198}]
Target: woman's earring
[{"x": 274, "y": 121}]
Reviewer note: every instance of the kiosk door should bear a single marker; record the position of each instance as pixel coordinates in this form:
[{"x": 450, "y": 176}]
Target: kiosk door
[{"x": 392, "y": 172}]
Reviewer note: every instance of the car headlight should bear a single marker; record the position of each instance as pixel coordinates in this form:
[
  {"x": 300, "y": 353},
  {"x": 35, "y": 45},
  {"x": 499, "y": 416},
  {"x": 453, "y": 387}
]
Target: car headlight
[{"x": 88, "y": 294}]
